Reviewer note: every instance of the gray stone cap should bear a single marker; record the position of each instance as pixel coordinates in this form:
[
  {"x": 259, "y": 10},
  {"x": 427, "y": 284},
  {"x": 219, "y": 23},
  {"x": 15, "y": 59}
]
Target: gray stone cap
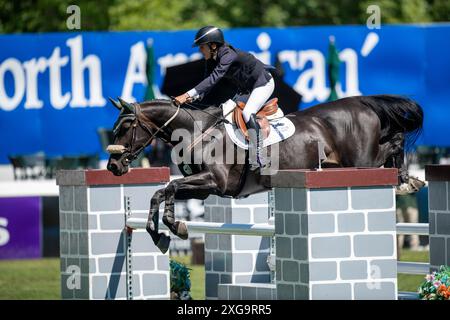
[
  {"x": 332, "y": 178},
  {"x": 437, "y": 172},
  {"x": 105, "y": 177}
]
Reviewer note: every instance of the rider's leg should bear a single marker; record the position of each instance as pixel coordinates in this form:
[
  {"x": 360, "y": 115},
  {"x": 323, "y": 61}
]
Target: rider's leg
[
  {"x": 255, "y": 139},
  {"x": 257, "y": 99},
  {"x": 255, "y": 102}
]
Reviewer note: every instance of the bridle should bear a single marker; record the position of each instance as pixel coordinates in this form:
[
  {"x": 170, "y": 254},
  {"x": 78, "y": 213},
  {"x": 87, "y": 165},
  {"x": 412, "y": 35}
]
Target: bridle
[{"x": 138, "y": 119}]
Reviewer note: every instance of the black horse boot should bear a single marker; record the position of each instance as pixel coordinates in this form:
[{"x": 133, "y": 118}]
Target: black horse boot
[{"x": 255, "y": 144}]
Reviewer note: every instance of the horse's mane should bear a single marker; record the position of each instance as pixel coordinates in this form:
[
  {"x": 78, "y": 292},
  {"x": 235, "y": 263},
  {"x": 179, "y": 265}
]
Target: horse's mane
[{"x": 158, "y": 101}]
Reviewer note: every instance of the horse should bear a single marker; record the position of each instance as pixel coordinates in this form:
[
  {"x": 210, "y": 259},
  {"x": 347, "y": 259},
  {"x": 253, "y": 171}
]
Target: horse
[{"x": 359, "y": 131}]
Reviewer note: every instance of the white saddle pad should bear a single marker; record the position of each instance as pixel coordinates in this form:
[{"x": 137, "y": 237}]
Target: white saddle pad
[{"x": 281, "y": 129}]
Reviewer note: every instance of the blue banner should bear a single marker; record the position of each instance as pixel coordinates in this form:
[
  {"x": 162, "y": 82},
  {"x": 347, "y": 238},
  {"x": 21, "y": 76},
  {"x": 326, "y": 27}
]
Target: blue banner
[{"x": 54, "y": 86}]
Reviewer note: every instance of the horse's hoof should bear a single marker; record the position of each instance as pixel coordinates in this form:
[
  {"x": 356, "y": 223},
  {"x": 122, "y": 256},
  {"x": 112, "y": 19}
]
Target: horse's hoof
[
  {"x": 182, "y": 230},
  {"x": 163, "y": 243},
  {"x": 416, "y": 184},
  {"x": 403, "y": 189},
  {"x": 413, "y": 185}
]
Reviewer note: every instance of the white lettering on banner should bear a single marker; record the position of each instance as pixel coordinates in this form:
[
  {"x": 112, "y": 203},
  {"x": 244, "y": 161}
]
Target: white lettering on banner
[
  {"x": 4, "y": 233},
  {"x": 15, "y": 68},
  {"x": 289, "y": 56},
  {"x": 55, "y": 62},
  {"x": 25, "y": 77},
  {"x": 263, "y": 41},
  {"x": 311, "y": 83},
  {"x": 79, "y": 64},
  {"x": 350, "y": 58},
  {"x": 32, "y": 69},
  {"x": 135, "y": 71},
  {"x": 371, "y": 41}
]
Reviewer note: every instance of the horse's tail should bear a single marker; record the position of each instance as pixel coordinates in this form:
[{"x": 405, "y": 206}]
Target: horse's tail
[{"x": 397, "y": 115}]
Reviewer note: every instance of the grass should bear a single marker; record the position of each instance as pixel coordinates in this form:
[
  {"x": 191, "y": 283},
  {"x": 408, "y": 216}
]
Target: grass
[
  {"x": 39, "y": 279},
  {"x": 410, "y": 282},
  {"x": 30, "y": 279},
  {"x": 197, "y": 274}
]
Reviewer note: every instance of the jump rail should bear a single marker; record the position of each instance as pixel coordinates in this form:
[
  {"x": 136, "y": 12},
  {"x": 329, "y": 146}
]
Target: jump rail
[
  {"x": 261, "y": 229},
  {"x": 214, "y": 227},
  {"x": 413, "y": 228},
  {"x": 269, "y": 230}
]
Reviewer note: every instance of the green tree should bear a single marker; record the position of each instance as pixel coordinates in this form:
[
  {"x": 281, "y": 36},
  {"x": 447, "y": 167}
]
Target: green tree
[
  {"x": 50, "y": 15},
  {"x": 162, "y": 15},
  {"x": 400, "y": 11},
  {"x": 439, "y": 10}
]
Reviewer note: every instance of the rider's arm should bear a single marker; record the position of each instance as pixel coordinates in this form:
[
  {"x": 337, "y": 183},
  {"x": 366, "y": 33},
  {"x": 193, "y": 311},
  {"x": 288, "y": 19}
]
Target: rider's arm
[{"x": 225, "y": 58}]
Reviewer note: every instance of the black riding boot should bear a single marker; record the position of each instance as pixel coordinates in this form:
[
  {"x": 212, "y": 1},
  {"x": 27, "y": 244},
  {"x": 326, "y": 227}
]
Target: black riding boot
[{"x": 255, "y": 145}]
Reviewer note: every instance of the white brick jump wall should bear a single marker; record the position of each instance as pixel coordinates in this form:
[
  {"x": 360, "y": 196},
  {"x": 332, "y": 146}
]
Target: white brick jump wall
[
  {"x": 236, "y": 259},
  {"x": 93, "y": 241},
  {"x": 438, "y": 177}
]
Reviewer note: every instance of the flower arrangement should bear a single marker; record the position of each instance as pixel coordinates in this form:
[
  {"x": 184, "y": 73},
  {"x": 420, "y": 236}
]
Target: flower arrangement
[
  {"x": 180, "y": 281},
  {"x": 436, "y": 286}
]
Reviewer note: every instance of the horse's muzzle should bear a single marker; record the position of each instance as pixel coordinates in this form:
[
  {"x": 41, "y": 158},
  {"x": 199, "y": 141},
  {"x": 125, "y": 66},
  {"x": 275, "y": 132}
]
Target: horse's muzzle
[{"x": 116, "y": 167}]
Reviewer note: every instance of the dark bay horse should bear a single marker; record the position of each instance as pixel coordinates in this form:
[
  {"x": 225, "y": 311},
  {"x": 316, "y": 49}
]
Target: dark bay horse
[{"x": 361, "y": 131}]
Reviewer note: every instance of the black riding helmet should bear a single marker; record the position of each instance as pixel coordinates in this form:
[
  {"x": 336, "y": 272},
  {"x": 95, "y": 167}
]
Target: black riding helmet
[{"x": 208, "y": 34}]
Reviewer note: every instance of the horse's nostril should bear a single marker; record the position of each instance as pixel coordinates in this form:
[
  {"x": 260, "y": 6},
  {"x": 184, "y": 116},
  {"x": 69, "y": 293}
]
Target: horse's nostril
[{"x": 112, "y": 167}]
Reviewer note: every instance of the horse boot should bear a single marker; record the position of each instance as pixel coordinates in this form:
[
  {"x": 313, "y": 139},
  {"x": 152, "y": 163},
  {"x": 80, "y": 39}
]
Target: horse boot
[
  {"x": 160, "y": 239},
  {"x": 255, "y": 145},
  {"x": 178, "y": 228}
]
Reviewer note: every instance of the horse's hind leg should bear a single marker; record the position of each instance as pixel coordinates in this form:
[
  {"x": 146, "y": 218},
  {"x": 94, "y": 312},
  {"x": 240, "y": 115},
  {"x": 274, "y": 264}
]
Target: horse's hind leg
[
  {"x": 407, "y": 184},
  {"x": 397, "y": 161},
  {"x": 159, "y": 239},
  {"x": 197, "y": 186},
  {"x": 393, "y": 152}
]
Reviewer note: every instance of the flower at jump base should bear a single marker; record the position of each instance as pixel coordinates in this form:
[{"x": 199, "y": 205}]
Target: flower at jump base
[{"x": 436, "y": 285}]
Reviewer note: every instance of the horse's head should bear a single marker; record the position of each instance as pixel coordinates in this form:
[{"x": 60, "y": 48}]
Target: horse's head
[{"x": 132, "y": 133}]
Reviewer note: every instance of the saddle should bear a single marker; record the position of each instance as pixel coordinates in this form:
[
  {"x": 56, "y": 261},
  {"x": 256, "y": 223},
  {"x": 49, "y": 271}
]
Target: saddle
[{"x": 269, "y": 109}]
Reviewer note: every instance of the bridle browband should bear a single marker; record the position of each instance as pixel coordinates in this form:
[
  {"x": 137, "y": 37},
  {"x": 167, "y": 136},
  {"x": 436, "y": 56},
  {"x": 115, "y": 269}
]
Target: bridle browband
[{"x": 138, "y": 118}]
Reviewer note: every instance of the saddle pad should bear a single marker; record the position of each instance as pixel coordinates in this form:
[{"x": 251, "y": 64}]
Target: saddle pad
[{"x": 280, "y": 130}]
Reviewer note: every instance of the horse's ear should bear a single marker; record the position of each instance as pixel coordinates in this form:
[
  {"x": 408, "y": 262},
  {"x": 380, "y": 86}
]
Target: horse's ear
[
  {"x": 115, "y": 103},
  {"x": 126, "y": 105}
]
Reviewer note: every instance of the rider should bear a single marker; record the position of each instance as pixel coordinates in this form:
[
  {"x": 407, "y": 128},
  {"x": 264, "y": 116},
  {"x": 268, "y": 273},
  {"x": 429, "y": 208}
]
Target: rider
[{"x": 247, "y": 72}]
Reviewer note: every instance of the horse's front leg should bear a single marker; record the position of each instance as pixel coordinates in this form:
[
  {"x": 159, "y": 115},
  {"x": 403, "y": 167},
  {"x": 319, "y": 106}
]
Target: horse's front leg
[
  {"x": 161, "y": 240},
  {"x": 198, "y": 186}
]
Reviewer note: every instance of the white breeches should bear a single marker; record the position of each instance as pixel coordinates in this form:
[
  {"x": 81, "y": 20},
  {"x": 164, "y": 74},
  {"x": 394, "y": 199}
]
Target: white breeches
[{"x": 257, "y": 98}]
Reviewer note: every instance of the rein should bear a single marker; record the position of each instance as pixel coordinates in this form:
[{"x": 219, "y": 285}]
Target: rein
[
  {"x": 219, "y": 118},
  {"x": 210, "y": 128}
]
